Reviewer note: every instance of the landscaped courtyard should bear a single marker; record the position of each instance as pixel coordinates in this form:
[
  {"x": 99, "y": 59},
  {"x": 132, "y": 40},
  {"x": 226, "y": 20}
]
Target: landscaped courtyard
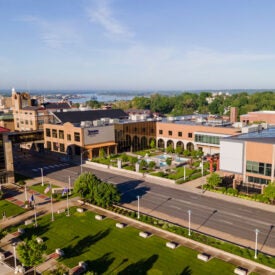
[{"x": 110, "y": 250}]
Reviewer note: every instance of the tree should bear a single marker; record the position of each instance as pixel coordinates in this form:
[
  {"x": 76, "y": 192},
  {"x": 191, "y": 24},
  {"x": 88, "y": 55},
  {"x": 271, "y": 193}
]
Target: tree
[
  {"x": 213, "y": 180},
  {"x": 101, "y": 153},
  {"x": 153, "y": 143},
  {"x": 124, "y": 157},
  {"x": 169, "y": 161},
  {"x": 31, "y": 252},
  {"x": 179, "y": 150},
  {"x": 133, "y": 160},
  {"x": 142, "y": 164},
  {"x": 169, "y": 149},
  {"x": 96, "y": 191},
  {"x": 152, "y": 164},
  {"x": 269, "y": 191},
  {"x": 1, "y": 194}
]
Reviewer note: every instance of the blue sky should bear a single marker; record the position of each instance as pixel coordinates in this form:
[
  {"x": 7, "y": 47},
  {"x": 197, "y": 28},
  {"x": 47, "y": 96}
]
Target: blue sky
[{"x": 137, "y": 44}]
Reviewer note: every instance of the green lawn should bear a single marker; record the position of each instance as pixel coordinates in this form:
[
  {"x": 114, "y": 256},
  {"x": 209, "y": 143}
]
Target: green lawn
[
  {"x": 40, "y": 189},
  {"x": 10, "y": 208},
  {"x": 109, "y": 250}
]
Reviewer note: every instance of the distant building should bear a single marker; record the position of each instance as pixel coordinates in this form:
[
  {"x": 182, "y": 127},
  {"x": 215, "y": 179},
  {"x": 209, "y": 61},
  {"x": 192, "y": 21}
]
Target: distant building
[
  {"x": 6, "y": 158},
  {"x": 233, "y": 114},
  {"x": 29, "y": 115},
  {"x": 259, "y": 116}
]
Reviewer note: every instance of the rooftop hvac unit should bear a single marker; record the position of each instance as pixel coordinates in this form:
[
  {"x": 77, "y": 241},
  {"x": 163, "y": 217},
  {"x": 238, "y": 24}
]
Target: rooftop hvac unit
[{"x": 97, "y": 123}]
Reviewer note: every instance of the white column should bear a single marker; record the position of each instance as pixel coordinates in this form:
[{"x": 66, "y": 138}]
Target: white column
[
  {"x": 138, "y": 208},
  {"x": 42, "y": 177},
  {"x": 52, "y": 202},
  {"x": 256, "y": 243},
  {"x": 189, "y": 222}
]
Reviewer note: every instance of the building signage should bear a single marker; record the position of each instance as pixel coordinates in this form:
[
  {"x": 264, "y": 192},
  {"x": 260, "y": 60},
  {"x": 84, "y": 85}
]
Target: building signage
[{"x": 93, "y": 132}]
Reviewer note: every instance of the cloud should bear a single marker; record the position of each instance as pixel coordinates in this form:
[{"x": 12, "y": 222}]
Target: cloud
[
  {"x": 102, "y": 14},
  {"x": 54, "y": 34}
]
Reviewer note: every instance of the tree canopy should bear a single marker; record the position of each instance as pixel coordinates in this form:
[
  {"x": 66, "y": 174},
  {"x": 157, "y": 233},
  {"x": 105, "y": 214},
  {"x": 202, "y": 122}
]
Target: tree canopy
[
  {"x": 213, "y": 180},
  {"x": 269, "y": 191},
  {"x": 188, "y": 103},
  {"x": 31, "y": 252},
  {"x": 92, "y": 189}
]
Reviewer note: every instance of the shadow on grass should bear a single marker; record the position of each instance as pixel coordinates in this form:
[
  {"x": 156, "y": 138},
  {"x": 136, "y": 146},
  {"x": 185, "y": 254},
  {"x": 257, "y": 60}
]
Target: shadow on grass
[
  {"x": 186, "y": 271},
  {"x": 100, "y": 265},
  {"x": 84, "y": 244},
  {"x": 37, "y": 231},
  {"x": 140, "y": 267}
]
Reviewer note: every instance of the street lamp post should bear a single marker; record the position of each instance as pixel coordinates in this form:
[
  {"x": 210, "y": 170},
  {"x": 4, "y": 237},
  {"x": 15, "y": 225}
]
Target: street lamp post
[
  {"x": 138, "y": 215},
  {"x": 42, "y": 177},
  {"x": 189, "y": 222},
  {"x": 14, "y": 255},
  {"x": 81, "y": 161},
  {"x": 257, "y": 231}
]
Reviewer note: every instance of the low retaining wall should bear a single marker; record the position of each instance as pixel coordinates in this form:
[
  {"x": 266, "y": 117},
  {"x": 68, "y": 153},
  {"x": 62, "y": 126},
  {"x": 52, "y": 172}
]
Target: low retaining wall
[{"x": 133, "y": 174}]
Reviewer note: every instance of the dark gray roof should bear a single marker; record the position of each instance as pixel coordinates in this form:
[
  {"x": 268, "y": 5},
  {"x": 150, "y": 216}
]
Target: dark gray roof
[
  {"x": 78, "y": 116},
  {"x": 261, "y": 136},
  {"x": 56, "y": 105}
]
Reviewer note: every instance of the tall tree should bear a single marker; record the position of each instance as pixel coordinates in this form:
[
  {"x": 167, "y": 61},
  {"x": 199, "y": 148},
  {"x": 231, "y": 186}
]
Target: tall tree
[
  {"x": 269, "y": 191},
  {"x": 31, "y": 252},
  {"x": 213, "y": 180}
]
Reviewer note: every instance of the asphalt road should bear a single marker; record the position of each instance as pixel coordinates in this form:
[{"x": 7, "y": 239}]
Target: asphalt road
[{"x": 224, "y": 219}]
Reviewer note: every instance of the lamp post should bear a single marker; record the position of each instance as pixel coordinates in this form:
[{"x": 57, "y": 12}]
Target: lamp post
[
  {"x": 189, "y": 222},
  {"x": 42, "y": 177},
  {"x": 138, "y": 215},
  {"x": 81, "y": 160},
  {"x": 52, "y": 202},
  {"x": 14, "y": 255},
  {"x": 257, "y": 231}
]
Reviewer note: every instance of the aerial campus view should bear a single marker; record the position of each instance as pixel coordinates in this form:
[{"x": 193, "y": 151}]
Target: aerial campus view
[{"x": 137, "y": 137}]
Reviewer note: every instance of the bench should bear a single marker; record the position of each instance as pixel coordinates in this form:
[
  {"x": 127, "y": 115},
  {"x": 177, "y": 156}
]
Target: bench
[
  {"x": 60, "y": 211},
  {"x": 2, "y": 256},
  {"x": 80, "y": 210},
  {"x": 240, "y": 271},
  {"x": 120, "y": 225},
  {"x": 39, "y": 240},
  {"x": 59, "y": 252},
  {"x": 83, "y": 265},
  {"x": 144, "y": 234},
  {"x": 171, "y": 245},
  {"x": 20, "y": 230},
  {"x": 99, "y": 217},
  {"x": 204, "y": 257},
  {"x": 27, "y": 222}
]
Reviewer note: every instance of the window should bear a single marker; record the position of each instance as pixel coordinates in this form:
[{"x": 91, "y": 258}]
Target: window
[
  {"x": 55, "y": 146},
  {"x": 207, "y": 139},
  {"x": 257, "y": 180},
  {"x": 190, "y": 135},
  {"x": 135, "y": 129},
  {"x": 152, "y": 130},
  {"x": 62, "y": 147},
  {"x": 258, "y": 168},
  {"x": 54, "y": 133},
  {"x": 49, "y": 145},
  {"x": 76, "y": 136},
  {"x": 127, "y": 128},
  {"x": 170, "y": 133},
  {"x": 160, "y": 132},
  {"x": 30, "y": 122},
  {"x": 69, "y": 137},
  {"x": 48, "y": 132},
  {"x": 180, "y": 134},
  {"x": 26, "y": 122},
  {"x": 61, "y": 134},
  {"x": 143, "y": 130}
]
